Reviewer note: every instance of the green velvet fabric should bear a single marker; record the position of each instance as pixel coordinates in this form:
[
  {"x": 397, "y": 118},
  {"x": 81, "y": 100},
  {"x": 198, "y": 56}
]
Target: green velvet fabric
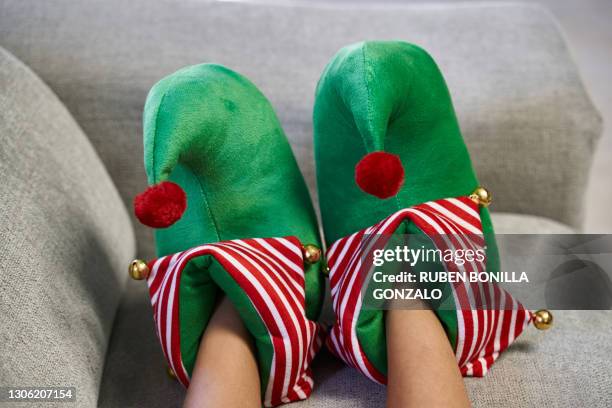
[
  {"x": 387, "y": 96},
  {"x": 211, "y": 131}
]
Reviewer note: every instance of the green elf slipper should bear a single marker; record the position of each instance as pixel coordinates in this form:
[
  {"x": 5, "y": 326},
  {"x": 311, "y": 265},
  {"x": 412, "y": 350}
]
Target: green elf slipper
[
  {"x": 234, "y": 218},
  {"x": 391, "y": 159}
]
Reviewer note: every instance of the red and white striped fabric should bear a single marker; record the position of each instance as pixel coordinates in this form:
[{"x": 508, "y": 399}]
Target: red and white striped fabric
[
  {"x": 454, "y": 223},
  {"x": 270, "y": 271}
]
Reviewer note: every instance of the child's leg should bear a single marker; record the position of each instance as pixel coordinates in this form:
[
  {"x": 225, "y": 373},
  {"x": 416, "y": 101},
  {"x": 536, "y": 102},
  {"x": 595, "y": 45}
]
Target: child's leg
[
  {"x": 225, "y": 372},
  {"x": 422, "y": 370}
]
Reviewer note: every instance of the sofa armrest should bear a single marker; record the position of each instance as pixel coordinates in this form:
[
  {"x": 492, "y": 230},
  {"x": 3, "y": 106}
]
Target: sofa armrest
[{"x": 65, "y": 242}]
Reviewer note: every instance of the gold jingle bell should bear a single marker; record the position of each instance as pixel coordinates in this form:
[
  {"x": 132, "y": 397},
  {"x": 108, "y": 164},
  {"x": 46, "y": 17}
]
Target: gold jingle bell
[
  {"x": 312, "y": 253},
  {"x": 542, "y": 319},
  {"x": 138, "y": 269},
  {"x": 170, "y": 373},
  {"x": 481, "y": 196}
]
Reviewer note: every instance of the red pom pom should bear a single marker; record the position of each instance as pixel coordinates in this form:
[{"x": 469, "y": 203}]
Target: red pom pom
[
  {"x": 380, "y": 174},
  {"x": 161, "y": 205}
]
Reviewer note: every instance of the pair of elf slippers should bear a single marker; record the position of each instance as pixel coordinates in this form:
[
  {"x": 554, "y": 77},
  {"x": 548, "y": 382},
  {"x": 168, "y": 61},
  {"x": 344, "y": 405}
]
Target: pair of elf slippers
[{"x": 233, "y": 215}]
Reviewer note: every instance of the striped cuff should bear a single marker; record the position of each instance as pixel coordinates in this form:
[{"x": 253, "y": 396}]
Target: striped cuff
[
  {"x": 479, "y": 335},
  {"x": 264, "y": 279}
]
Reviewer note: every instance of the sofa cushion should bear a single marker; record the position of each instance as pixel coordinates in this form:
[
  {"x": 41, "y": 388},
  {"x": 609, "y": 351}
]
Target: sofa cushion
[
  {"x": 508, "y": 223},
  {"x": 540, "y": 369},
  {"x": 135, "y": 372},
  {"x": 532, "y": 372},
  {"x": 523, "y": 111},
  {"x": 65, "y": 242}
]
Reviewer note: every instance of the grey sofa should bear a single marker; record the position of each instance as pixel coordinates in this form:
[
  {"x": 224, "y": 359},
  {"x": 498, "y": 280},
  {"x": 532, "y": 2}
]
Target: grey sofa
[{"x": 73, "y": 80}]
